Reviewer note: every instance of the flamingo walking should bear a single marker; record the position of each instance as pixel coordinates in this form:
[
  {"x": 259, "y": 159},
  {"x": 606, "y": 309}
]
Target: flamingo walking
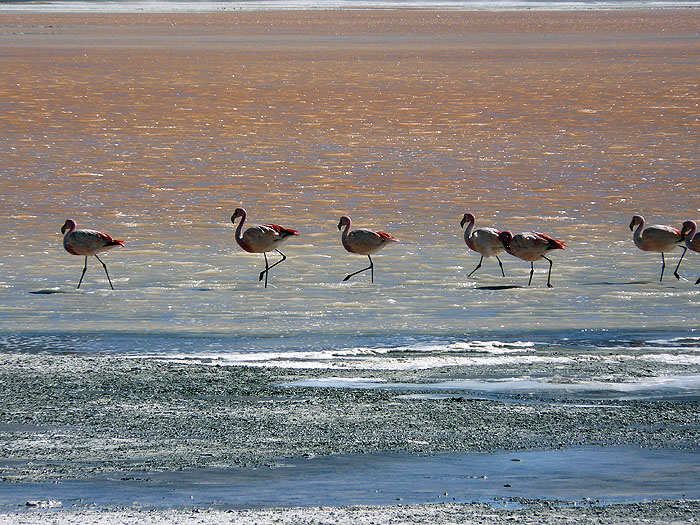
[
  {"x": 657, "y": 238},
  {"x": 692, "y": 240},
  {"x": 87, "y": 242},
  {"x": 531, "y": 246},
  {"x": 261, "y": 239},
  {"x": 482, "y": 240},
  {"x": 363, "y": 242}
]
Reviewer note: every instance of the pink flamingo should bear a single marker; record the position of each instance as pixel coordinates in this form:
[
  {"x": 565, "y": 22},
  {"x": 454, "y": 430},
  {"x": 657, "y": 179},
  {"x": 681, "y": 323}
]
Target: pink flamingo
[
  {"x": 363, "y": 242},
  {"x": 87, "y": 242},
  {"x": 692, "y": 240},
  {"x": 657, "y": 238},
  {"x": 482, "y": 240},
  {"x": 531, "y": 246},
  {"x": 261, "y": 239}
]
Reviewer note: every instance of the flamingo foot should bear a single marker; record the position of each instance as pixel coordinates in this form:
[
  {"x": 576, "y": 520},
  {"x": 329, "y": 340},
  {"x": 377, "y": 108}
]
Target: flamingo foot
[{"x": 698, "y": 281}]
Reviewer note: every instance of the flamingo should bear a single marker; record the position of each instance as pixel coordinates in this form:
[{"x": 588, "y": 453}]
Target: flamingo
[
  {"x": 692, "y": 240},
  {"x": 482, "y": 240},
  {"x": 261, "y": 239},
  {"x": 657, "y": 238},
  {"x": 531, "y": 246},
  {"x": 87, "y": 242},
  {"x": 363, "y": 242}
]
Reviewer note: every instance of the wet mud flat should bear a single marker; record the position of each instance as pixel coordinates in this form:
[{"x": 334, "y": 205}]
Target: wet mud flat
[{"x": 142, "y": 426}]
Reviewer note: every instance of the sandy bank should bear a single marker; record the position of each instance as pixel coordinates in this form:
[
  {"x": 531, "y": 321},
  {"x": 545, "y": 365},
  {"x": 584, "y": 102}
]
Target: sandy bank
[{"x": 659, "y": 512}]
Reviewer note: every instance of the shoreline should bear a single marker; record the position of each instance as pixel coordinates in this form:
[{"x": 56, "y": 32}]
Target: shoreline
[
  {"x": 545, "y": 513},
  {"x": 175, "y": 7}
]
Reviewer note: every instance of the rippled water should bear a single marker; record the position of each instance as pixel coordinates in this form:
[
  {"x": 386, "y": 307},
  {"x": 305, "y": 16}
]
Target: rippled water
[{"x": 155, "y": 132}]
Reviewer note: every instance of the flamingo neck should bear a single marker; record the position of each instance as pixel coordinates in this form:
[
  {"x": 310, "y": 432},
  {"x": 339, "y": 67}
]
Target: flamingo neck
[
  {"x": 468, "y": 231},
  {"x": 638, "y": 232},
  {"x": 239, "y": 230},
  {"x": 346, "y": 231},
  {"x": 71, "y": 226},
  {"x": 691, "y": 233}
]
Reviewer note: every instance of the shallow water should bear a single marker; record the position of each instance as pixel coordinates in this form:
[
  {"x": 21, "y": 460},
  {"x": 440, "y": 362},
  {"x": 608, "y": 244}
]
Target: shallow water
[
  {"x": 154, "y": 132},
  {"x": 601, "y": 475},
  {"x": 198, "y": 6}
]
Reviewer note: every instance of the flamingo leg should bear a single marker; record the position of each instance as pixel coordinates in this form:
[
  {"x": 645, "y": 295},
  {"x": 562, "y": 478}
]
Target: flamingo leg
[
  {"x": 83, "y": 274},
  {"x": 477, "y": 266},
  {"x": 268, "y": 268},
  {"x": 532, "y": 271},
  {"x": 549, "y": 275},
  {"x": 264, "y": 272},
  {"x": 675, "y": 272},
  {"x": 663, "y": 266},
  {"x": 370, "y": 267},
  {"x": 106, "y": 272},
  {"x": 698, "y": 281},
  {"x": 501, "y": 265}
]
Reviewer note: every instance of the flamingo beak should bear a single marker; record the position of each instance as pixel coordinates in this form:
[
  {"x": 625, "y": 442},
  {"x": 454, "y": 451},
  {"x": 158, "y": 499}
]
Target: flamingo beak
[
  {"x": 340, "y": 226},
  {"x": 632, "y": 226},
  {"x": 234, "y": 217},
  {"x": 63, "y": 229},
  {"x": 461, "y": 223}
]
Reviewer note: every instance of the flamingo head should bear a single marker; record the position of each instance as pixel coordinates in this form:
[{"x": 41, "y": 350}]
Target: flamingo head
[
  {"x": 68, "y": 225},
  {"x": 505, "y": 237},
  {"x": 688, "y": 226},
  {"x": 468, "y": 217},
  {"x": 344, "y": 221},
  {"x": 636, "y": 220},
  {"x": 239, "y": 212}
]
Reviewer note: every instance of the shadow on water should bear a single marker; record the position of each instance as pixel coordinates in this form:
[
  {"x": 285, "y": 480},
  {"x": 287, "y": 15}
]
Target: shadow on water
[
  {"x": 52, "y": 291},
  {"x": 500, "y": 287},
  {"x": 619, "y": 283}
]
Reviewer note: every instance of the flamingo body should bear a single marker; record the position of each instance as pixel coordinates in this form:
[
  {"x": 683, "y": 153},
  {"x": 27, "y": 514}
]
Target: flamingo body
[
  {"x": 86, "y": 243},
  {"x": 261, "y": 239},
  {"x": 692, "y": 236},
  {"x": 363, "y": 242},
  {"x": 692, "y": 239},
  {"x": 531, "y": 246},
  {"x": 264, "y": 238},
  {"x": 482, "y": 240},
  {"x": 657, "y": 238}
]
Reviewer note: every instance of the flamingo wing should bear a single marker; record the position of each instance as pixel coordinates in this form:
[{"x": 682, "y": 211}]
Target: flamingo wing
[
  {"x": 365, "y": 242},
  {"x": 265, "y": 237},
  {"x": 387, "y": 237},
  {"x": 89, "y": 242},
  {"x": 281, "y": 230},
  {"x": 485, "y": 241},
  {"x": 552, "y": 243},
  {"x": 660, "y": 238}
]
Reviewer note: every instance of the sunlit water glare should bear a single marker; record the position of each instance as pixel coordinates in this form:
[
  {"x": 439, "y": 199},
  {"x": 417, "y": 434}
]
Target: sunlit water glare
[{"x": 155, "y": 133}]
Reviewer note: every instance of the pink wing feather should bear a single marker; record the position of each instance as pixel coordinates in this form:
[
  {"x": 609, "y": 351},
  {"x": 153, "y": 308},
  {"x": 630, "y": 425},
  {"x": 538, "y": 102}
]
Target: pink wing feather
[
  {"x": 386, "y": 236},
  {"x": 554, "y": 244},
  {"x": 281, "y": 229}
]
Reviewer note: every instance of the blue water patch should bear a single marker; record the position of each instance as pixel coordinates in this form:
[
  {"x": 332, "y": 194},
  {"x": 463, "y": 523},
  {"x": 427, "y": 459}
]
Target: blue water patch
[{"x": 602, "y": 475}]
